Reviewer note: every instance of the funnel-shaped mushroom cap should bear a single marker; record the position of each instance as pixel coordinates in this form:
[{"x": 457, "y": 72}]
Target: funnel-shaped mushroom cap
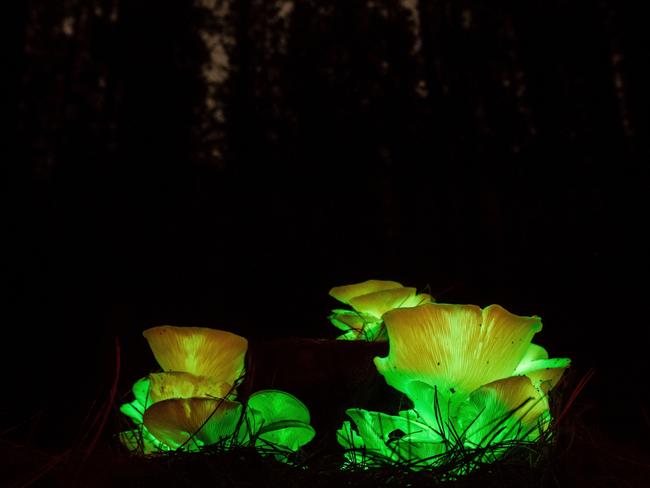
[
  {"x": 176, "y": 384},
  {"x": 454, "y": 348},
  {"x": 176, "y": 422},
  {"x": 198, "y": 350},
  {"x": 279, "y": 419}
]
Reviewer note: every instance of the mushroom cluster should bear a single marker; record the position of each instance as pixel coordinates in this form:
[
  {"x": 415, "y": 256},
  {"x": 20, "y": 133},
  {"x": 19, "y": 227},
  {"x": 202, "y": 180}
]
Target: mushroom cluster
[
  {"x": 193, "y": 403},
  {"x": 474, "y": 378},
  {"x": 370, "y": 300}
]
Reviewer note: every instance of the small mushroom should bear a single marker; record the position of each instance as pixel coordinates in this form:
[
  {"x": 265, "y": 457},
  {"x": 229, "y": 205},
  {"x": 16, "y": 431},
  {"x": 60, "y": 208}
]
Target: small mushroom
[
  {"x": 370, "y": 300},
  {"x": 279, "y": 420},
  {"x": 347, "y": 292}
]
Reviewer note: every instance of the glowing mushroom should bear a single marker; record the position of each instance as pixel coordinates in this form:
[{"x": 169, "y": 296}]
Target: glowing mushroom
[
  {"x": 200, "y": 351},
  {"x": 380, "y": 437},
  {"x": 192, "y": 422},
  {"x": 279, "y": 421},
  {"x": 140, "y": 439},
  {"x": 191, "y": 403},
  {"x": 135, "y": 409},
  {"x": 509, "y": 408},
  {"x": 369, "y": 301},
  {"x": 472, "y": 374},
  {"x": 199, "y": 364},
  {"x": 176, "y": 384},
  {"x": 447, "y": 351},
  {"x": 346, "y": 293}
]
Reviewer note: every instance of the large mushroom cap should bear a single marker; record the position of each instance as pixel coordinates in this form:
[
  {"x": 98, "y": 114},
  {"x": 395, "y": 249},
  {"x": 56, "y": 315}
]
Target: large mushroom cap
[
  {"x": 453, "y": 348},
  {"x": 178, "y": 422},
  {"x": 200, "y": 351}
]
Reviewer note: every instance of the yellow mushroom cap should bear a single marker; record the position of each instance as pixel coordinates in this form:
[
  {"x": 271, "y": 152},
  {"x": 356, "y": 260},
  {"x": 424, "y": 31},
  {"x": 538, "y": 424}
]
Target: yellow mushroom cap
[
  {"x": 346, "y": 292},
  {"x": 176, "y": 384},
  {"x": 376, "y": 297},
  {"x": 507, "y": 408},
  {"x": 380, "y": 302},
  {"x": 544, "y": 372},
  {"x": 200, "y": 351},
  {"x": 454, "y": 348},
  {"x": 176, "y": 421}
]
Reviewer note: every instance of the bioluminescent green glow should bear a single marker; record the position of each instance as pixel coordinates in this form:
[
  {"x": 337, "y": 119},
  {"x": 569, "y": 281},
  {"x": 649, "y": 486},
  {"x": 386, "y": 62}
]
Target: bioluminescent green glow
[
  {"x": 140, "y": 439},
  {"x": 473, "y": 376},
  {"x": 279, "y": 421},
  {"x": 370, "y": 300},
  {"x": 379, "y": 438},
  {"x": 194, "y": 408}
]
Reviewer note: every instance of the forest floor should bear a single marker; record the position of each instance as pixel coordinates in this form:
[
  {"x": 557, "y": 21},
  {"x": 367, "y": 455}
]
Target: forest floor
[{"x": 580, "y": 457}]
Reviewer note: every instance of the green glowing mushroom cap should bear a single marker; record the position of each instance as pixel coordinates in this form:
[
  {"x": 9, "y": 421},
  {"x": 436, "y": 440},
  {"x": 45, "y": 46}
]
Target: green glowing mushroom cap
[
  {"x": 276, "y": 405},
  {"x": 135, "y": 409},
  {"x": 199, "y": 351},
  {"x": 279, "y": 420},
  {"x": 380, "y": 437}
]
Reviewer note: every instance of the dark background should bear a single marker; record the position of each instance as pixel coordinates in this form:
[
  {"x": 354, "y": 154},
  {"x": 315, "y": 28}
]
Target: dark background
[{"x": 488, "y": 152}]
